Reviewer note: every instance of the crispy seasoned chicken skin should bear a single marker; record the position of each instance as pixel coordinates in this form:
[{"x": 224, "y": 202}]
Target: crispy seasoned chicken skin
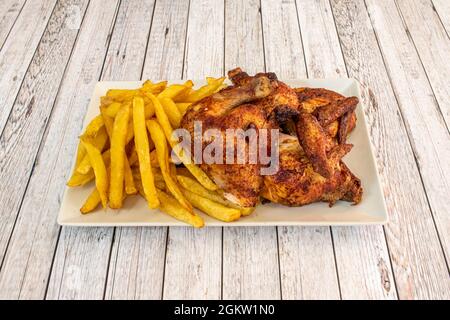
[
  {"x": 310, "y": 165},
  {"x": 312, "y": 99},
  {"x": 231, "y": 108},
  {"x": 297, "y": 183}
]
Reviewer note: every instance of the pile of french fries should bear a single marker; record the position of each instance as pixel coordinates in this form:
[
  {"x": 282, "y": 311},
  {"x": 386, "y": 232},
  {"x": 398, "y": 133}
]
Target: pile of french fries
[{"x": 126, "y": 151}]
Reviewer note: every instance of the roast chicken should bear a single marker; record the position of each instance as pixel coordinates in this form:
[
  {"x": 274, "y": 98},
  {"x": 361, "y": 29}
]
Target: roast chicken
[{"x": 313, "y": 125}]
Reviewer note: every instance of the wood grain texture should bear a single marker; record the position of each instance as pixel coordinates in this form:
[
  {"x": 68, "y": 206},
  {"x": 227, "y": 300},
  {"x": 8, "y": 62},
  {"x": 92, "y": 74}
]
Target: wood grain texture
[
  {"x": 137, "y": 264},
  {"x": 427, "y": 131},
  {"x": 18, "y": 50},
  {"x": 138, "y": 254},
  {"x": 250, "y": 255},
  {"x": 30, "y": 253},
  {"x": 20, "y": 139},
  {"x": 165, "y": 52},
  {"x": 308, "y": 269},
  {"x": 417, "y": 258},
  {"x": 442, "y": 8},
  {"x": 194, "y": 257},
  {"x": 124, "y": 60},
  {"x": 433, "y": 46},
  {"x": 360, "y": 261},
  {"x": 9, "y": 11},
  {"x": 302, "y": 270}
]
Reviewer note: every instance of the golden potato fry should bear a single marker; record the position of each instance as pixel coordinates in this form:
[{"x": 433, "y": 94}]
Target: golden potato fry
[
  {"x": 91, "y": 202},
  {"x": 172, "y": 91},
  {"x": 162, "y": 153},
  {"x": 130, "y": 187},
  {"x": 192, "y": 185},
  {"x": 101, "y": 175},
  {"x": 154, "y": 159},
  {"x": 183, "y": 95},
  {"x": 143, "y": 152},
  {"x": 172, "y": 207},
  {"x": 122, "y": 95},
  {"x": 205, "y": 91},
  {"x": 93, "y": 127},
  {"x": 247, "y": 211},
  {"x": 183, "y": 106},
  {"x": 154, "y": 88},
  {"x": 133, "y": 159},
  {"x": 118, "y": 140},
  {"x": 167, "y": 128},
  {"x": 99, "y": 142},
  {"x": 185, "y": 172},
  {"x": 149, "y": 110},
  {"x": 159, "y": 181},
  {"x": 211, "y": 208},
  {"x": 172, "y": 112},
  {"x": 112, "y": 109},
  {"x": 108, "y": 120},
  {"x": 78, "y": 179}
]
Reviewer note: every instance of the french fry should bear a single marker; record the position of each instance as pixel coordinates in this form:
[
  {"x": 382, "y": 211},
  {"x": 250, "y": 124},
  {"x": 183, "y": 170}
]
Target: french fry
[
  {"x": 133, "y": 159},
  {"x": 172, "y": 207},
  {"x": 122, "y": 95},
  {"x": 143, "y": 152},
  {"x": 118, "y": 140},
  {"x": 93, "y": 127},
  {"x": 183, "y": 95},
  {"x": 162, "y": 153},
  {"x": 91, "y": 202},
  {"x": 172, "y": 91},
  {"x": 78, "y": 179},
  {"x": 99, "y": 142},
  {"x": 205, "y": 91},
  {"x": 211, "y": 208},
  {"x": 112, "y": 109},
  {"x": 172, "y": 111},
  {"x": 108, "y": 120},
  {"x": 154, "y": 88},
  {"x": 101, "y": 175},
  {"x": 167, "y": 128},
  {"x": 183, "y": 106},
  {"x": 247, "y": 211},
  {"x": 159, "y": 181},
  {"x": 190, "y": 184},
  {"x": 130, "y": 187}
]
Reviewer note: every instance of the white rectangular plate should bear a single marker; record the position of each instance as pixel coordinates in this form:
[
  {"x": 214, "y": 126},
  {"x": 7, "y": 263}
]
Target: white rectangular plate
[{"x": 371, "y": 210}]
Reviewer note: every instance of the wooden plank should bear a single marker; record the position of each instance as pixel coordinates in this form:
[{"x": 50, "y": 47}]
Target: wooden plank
[
  {"x": 137, "y": 264},
  {"x": 27, "y": 263},
  {"x": 194, "y": 257},
  {"x": 138, "y": 255},
  {"x": 9, "y": 11},
  {"x": 25, "y": 127},
  {"x": 303, "y": 271},
  {"x": 418, "y": 262},
  {"x": 442, "y": 8},
  {"x": 367, "y": 251},
  {"x": 308, "y": 269},
  {"x": 18, "y": 50},
  {"x": 433, "y": 46},
  {"x": 250, "y": 255},
  {"x": 165, "y": 52},
  {"x": 76, "y": 250},
  {"x": 426, "y": 127}
]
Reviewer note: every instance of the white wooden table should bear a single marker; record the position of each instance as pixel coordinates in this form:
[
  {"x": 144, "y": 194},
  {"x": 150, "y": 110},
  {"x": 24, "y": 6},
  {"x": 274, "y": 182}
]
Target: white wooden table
[{"x": 53, "y": 52}]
